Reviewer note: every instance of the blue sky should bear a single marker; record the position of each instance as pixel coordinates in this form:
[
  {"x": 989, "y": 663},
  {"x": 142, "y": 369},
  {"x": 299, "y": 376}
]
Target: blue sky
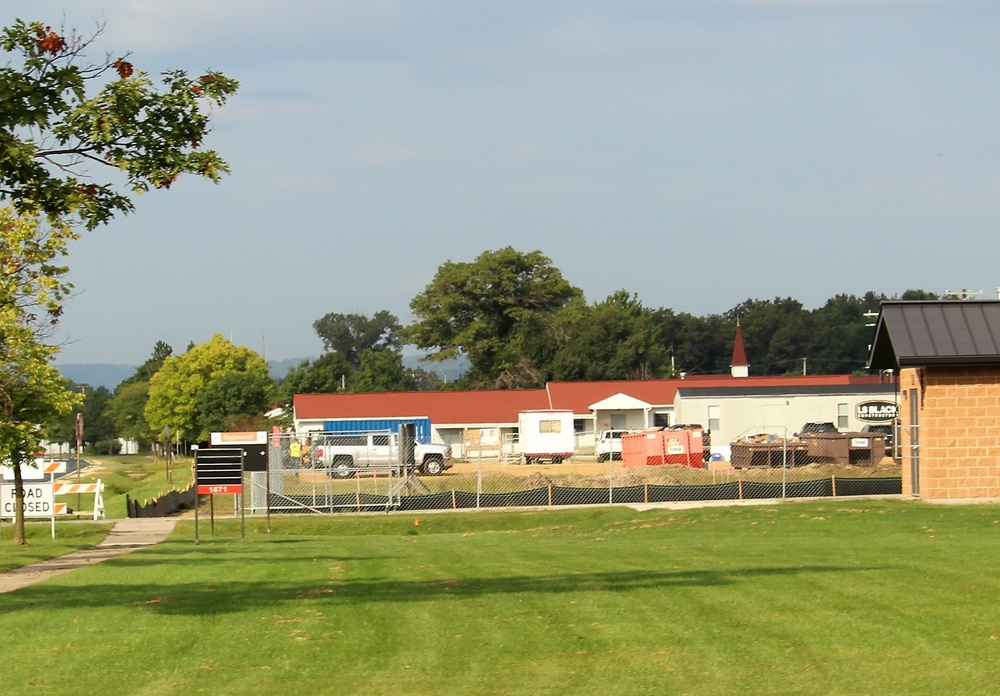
[{"x": 695, "y": 152}]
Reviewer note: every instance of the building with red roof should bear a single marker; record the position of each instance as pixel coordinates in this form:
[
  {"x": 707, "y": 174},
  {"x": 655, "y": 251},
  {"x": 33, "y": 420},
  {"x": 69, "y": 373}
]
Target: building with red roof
[{"x": 728, "y": 406}]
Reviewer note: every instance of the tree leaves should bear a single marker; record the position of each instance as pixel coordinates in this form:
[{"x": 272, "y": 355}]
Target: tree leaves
[{"x": 54, "y": 135}]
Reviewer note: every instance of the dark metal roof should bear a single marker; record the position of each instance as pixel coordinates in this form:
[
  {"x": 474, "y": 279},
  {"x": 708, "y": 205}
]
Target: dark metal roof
[
  {"x": 914, "y": 334},
  {"x": 886, "y": 388}
]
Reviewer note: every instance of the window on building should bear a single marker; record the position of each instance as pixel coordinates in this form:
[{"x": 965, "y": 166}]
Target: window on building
[
  {"x": 714, "y": 417},
  {"x": 550, "y": 426},
  {"x": 842, "y": 417},
  {"x": 661, "y": 420}
]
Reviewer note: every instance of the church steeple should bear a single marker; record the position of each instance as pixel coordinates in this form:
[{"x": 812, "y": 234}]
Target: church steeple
[{"x": 739, "y": 367}]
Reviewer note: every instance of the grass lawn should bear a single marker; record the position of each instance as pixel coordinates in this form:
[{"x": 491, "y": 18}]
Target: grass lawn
[
  {"x": 838, "y": 597},
  {"x": 41, "y": 546}
]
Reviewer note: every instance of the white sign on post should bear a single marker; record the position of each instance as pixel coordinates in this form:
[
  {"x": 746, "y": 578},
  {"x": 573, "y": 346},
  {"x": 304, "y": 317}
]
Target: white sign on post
[
  {"x": 39, "y": 472},
  {"x": 38, "y": 500}
]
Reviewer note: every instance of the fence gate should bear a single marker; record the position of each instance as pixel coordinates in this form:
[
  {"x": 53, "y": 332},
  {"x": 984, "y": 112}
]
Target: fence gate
[{"x": 322, "y": 472}]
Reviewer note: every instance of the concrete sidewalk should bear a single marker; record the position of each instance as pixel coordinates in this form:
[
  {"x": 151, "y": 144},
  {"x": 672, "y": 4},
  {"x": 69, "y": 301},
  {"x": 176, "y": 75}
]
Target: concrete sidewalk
[{"x": 125, "y": 537}]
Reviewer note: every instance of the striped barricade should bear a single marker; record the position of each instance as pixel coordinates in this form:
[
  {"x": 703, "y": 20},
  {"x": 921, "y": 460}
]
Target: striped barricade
[{"x": 73, "y": 488}]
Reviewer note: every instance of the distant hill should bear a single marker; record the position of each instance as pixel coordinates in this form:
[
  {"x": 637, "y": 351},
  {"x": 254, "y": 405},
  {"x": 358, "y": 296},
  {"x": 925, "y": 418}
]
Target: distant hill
[
  {"x": 110, "y": 376},
  {"x": 104, "y": 375}
]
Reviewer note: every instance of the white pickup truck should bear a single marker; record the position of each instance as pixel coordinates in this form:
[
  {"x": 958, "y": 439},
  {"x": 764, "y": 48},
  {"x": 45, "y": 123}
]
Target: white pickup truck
[
  {"x": 609, "y": 445},
  {"x": 345, "y": 454}
]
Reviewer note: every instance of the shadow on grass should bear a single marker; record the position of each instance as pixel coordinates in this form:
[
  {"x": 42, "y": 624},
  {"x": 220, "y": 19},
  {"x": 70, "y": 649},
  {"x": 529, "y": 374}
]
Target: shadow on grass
[{"x": 224, "y": 597}]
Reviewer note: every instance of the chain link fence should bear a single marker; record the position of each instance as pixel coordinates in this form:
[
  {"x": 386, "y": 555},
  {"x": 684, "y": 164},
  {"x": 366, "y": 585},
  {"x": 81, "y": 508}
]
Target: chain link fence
[{"x": 364, "y": 472}]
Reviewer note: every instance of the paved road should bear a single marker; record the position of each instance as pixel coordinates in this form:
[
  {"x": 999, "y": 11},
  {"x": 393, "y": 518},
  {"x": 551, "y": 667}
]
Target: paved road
[{"x": 125, "y": 537}]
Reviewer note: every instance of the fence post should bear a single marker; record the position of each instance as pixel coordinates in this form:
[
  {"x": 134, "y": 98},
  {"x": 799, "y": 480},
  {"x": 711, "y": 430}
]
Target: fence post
[
  {"x": 741, "y": 489},
  {"x": 454, "y": 503},
  {"x": 833, "y": 481},
  {"x": 550, "y": 495}
]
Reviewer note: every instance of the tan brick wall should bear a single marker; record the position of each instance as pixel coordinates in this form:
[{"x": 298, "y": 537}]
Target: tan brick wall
[{"x": 959, "y": 431}]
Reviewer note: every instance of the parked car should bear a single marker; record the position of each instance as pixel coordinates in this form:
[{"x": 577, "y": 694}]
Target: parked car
[
  {"x": 816, "y": 428},
  {"x": 609, "y": 446},
  {"x": 884, "y": 429}
]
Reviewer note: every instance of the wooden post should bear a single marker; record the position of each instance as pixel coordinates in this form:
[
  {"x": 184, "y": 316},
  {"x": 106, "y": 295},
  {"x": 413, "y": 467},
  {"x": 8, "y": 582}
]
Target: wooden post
[
  {"x": 550, "y": 495},
  {"x": 833, "y": 481},
  {"x": 645, "y": 492},
  {"x": 454, "y": 503},
  {"x": 741, "y": 489}
]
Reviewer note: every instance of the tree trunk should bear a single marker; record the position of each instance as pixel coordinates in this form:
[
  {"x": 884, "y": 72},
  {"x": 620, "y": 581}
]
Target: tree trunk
[{"x": 19, "y": 538}]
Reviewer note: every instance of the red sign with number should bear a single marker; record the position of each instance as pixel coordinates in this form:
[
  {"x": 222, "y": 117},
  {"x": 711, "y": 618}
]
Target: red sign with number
[{"x": 219, "y": 490}]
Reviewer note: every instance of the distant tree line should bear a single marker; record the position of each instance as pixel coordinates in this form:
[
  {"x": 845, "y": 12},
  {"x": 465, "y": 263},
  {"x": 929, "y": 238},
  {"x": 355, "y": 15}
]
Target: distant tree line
[{"x": 516, "y": 322}]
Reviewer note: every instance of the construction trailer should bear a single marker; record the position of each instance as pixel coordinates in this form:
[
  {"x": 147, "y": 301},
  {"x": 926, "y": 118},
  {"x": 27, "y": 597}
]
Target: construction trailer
[{"x": 546, "y": 435}]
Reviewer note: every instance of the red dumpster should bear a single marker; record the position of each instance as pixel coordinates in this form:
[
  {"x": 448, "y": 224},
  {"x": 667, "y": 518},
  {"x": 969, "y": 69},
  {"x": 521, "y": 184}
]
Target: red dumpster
[{"x": 657, "y": 447}]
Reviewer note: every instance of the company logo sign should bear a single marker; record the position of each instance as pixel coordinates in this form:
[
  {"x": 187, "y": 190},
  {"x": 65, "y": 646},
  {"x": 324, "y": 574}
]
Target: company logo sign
[{"x": 876, "y": 411}]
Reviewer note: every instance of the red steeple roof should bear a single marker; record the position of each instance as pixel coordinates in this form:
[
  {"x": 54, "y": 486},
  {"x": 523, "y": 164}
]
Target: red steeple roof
[{"x": 739, "y": 352}]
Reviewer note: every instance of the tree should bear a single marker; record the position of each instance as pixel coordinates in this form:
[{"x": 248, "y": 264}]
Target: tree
[
  {"x": 353, "y": 334},
  {"x": 777, "y": 332},
  {"x": 382, "y": 371},
  {"x": 99, "y": 429},
  {"x": 176, "y": 389},
  {"x": 494, "y": 310},
  {"x": 127, "y": 411},
  {"x": 60, "y": 117},
  {"x": 234, "y": 397},
  {"x": 145, "y": 372},
  {"x": 52, "y": 132},
  {"x": 127, "y": 406},
  {"x": 32, "y": 391},
  {"x": 614, "y": 339},
  {"x": 324, "y": 375}
]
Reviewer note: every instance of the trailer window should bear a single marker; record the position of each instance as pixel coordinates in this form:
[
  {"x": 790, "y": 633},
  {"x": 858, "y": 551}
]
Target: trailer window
[{"x": 550, "y": 426}]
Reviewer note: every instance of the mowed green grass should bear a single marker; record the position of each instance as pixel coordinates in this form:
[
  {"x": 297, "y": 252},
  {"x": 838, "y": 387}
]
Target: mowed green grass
[{"x": 839, "y": 597}]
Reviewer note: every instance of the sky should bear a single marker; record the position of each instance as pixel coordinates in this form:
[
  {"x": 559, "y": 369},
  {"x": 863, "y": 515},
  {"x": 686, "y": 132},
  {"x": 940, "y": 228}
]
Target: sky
[{"x": 697, "y": 153}]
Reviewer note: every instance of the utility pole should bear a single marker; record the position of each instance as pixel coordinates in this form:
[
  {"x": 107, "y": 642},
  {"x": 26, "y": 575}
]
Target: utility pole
[{"x": 963, "y": 294}]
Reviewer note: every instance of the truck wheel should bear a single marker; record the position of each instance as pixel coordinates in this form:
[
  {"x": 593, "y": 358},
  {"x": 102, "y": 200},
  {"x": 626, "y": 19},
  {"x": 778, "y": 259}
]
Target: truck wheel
[
  {"x": 557, "y": 460},
  {"x": 602, "y": 457},
  {"x": 433, "y": 466},
  {"x": 342, "y": 467}
]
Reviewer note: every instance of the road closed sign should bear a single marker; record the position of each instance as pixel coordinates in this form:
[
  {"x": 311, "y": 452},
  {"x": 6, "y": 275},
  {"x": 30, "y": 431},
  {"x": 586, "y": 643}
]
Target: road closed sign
[{"x": 38, "y": 500}]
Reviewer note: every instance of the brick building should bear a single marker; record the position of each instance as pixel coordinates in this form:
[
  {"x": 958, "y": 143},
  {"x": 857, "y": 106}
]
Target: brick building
[{"x": 947, "y": 357}]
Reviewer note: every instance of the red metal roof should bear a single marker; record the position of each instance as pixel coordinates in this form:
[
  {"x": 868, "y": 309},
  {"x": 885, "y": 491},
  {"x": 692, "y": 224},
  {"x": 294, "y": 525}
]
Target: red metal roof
[
  {"x": 488, "y": 406},
  {"x": 503, "y": 405}
]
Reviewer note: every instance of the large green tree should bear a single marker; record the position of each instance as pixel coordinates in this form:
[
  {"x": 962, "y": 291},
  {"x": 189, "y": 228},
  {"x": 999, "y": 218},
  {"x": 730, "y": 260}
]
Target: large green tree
[
  {"x": 617, "y": 338},
  {"x": 325, "y": 375},
  {"x": 126, "y": 409},
  {"x": 176, "y": 390},
  {"x": 353, "y": 334},
  {"x": 234, "y": 399},
  {"x": 32, "y": 391},
  {"x": 63, "y": 120},
  {"x": 495, "y": 311},
  {"x": 68, "y": 127}
]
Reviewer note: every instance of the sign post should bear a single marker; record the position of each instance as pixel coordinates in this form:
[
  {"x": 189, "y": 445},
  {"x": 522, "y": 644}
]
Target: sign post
[
  {"x": 79, "y": 444},
  {"x": 219, "y": 471}
]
